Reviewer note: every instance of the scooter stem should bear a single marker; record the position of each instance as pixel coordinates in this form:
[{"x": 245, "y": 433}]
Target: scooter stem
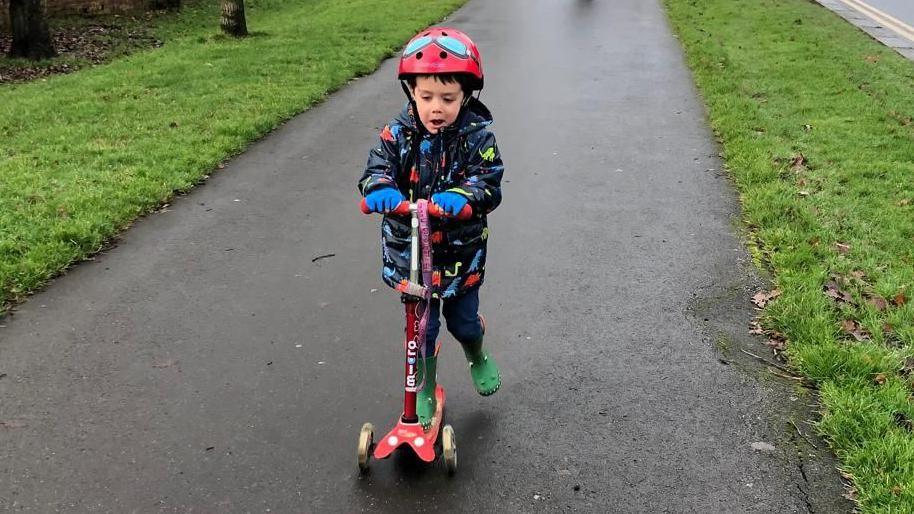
[
  {"x": 412, "y": 362},
  {"x": 412, "y": 324}
]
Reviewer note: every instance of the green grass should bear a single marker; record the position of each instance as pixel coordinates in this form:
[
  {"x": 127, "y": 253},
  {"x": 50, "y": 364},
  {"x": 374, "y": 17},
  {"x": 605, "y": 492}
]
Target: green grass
[
  {"x": 84, "y": 154},
  {"x": 784, "y": 78}
]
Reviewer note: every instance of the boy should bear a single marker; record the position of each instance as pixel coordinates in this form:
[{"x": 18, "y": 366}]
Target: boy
[{"x": 439, "y": 148}]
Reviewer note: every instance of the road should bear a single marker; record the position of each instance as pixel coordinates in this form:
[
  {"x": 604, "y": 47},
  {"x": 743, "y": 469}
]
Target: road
[
  {"x": 902, "y": 10},
  {"x": 224, "y": 355},
  {"x": 891, "y": 22}
]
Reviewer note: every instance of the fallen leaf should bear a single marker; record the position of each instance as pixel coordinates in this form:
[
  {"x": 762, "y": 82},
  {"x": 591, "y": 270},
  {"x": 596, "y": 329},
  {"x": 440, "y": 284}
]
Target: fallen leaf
[
  {"x": 851, "y": 493},
  {"x": 901, "y": 118},
  {"x": 897, "y": 489},
  {"x": 755, "y": 327},
  {"x": 798, "y": 163},
  {"x": 904, "y": 202},
  {"x": 840, "y": 279},
  {"x": 832, "y": 290},
  {"x": 853, "y": 328},
  {"x": 879, "y": 378},
  {"x": 777, "y": 344},
  {"x": 859, "y": 275},
  {"x": 861, "y": 334},
  {"x": 899, "y": 299},
  {"x": 804, "y": 193},
  {"x": 902, "y": 420},
  {"x": 776, "y": 341},
  {"x": 843, "y": 249},
  {"x": 878, "y": 302},
  {"x": 762, "y": 298},
  {"x": 872, "y": 58},
  {"x": 907, "y": 369}
]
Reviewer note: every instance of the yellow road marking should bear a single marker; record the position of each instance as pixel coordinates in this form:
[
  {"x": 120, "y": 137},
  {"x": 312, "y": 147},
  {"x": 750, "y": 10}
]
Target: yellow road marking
[{"x": 899, "y": 27}]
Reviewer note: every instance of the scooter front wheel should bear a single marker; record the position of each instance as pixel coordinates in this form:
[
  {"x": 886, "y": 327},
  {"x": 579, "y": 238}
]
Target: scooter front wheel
[
  {"x": 449, "y": 449},
  {"x": 366, "y": 441}
]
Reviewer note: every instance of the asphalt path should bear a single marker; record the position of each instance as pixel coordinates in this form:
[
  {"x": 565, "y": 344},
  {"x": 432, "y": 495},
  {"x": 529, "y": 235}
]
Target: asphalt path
[{"x": 224, "y": 355}]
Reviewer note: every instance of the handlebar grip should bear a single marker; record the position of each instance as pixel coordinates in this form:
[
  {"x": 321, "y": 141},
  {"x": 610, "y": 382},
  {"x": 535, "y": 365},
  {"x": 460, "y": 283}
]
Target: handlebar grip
[
  {"x": 401, "y": 210},
  {"x": 434, "y": 210},
  {"x": 438, "y": 212}
]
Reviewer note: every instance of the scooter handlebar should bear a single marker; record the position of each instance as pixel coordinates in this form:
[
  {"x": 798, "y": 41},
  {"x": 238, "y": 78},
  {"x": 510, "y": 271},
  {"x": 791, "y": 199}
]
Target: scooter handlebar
[{"x": 434, "y": 210}]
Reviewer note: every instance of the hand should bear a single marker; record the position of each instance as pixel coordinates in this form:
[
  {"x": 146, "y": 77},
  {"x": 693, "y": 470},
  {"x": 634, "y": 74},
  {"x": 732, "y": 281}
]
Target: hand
[
  {"x": 384, "y": 200},
  {"x": 450, "y": 203}
]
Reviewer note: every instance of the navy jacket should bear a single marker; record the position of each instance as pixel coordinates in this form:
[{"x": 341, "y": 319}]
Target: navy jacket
[{"x": 462, "y": 158}]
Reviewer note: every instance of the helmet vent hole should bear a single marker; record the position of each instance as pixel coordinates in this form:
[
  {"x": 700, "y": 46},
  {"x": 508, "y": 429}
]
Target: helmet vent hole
[
  {"x": 427, "y": 34},
  {"x": 419, "y": 55},
  {"x": 444, "y": 33},
  {"x": 443, "y": 55}
]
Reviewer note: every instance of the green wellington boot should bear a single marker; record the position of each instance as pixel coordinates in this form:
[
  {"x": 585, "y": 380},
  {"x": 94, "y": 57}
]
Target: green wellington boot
[
  {"x": 483, "y": 369},
  {"x": 426, "y": 403}
]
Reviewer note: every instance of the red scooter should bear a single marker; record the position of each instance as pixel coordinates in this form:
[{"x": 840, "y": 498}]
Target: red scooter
[{"x": 408, "y": 431}]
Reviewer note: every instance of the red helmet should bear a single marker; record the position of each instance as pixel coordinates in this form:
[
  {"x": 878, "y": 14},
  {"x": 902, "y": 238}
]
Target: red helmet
[{"x": 440, "y": 50}]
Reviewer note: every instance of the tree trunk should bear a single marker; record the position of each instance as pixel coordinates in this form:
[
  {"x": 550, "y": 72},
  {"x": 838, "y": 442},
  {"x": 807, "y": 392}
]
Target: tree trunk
[
  {"x": 31, "y": 37},
  {"x": 233, "y": 22}
]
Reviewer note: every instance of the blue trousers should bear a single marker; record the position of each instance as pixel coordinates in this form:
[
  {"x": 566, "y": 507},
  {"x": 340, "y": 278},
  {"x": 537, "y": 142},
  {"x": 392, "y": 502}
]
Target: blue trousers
[{"x": 462, "y": 316}]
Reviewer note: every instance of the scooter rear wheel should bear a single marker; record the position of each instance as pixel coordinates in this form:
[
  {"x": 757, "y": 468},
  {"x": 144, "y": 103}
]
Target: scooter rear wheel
[
  {"x": 366, "y": 441},
  {"x": 449, "y": 449}
]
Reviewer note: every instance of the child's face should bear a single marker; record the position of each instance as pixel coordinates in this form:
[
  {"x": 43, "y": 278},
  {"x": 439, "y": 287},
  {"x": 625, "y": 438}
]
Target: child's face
[{"x": 438, "y": 103}]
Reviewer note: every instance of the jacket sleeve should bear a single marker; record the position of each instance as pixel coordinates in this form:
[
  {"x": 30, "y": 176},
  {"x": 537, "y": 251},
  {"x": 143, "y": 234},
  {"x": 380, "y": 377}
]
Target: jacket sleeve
[
  {"x": 482, "y": 185},
  {"x": 383, "y": 164}
]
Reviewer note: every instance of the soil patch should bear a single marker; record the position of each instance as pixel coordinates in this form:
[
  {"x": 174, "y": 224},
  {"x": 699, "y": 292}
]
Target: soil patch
[{"x": 81, "y": 42}]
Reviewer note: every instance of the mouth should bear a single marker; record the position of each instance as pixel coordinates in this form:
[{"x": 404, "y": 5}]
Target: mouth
[{"x": 436, "y": 123}]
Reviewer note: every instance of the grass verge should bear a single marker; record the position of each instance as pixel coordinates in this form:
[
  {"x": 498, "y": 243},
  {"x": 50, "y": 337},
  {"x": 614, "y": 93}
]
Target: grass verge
[
  {"x": 84, "y": 154},
  {"x": 815, "y": 121}
]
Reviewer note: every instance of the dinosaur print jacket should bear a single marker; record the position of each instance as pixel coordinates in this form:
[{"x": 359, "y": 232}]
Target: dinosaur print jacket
[{"x": 462, "y": 158}]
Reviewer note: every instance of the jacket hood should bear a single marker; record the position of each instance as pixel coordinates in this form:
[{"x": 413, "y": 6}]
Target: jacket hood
[{"x": 474, "y": 116}]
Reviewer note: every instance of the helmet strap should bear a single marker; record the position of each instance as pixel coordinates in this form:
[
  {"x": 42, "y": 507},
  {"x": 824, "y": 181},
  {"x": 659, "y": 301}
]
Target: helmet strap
[
  {"x": 414, "y": 107},
  {"x": 407, "y": 92}
]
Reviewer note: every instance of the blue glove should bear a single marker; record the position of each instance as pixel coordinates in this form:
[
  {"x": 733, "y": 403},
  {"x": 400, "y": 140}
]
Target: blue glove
[
  {"x": 451, "y": 203},
  {"x": 384, "y": 199}
]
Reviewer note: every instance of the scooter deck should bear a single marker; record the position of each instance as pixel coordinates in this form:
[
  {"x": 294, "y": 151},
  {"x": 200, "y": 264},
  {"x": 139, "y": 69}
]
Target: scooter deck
[{"x": 421, "y": 441}]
